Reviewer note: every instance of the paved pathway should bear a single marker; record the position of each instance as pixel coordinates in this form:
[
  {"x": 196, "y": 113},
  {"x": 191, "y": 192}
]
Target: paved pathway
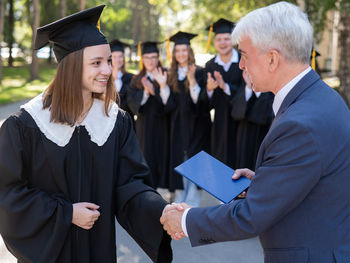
[{"x": 245, "y": 251}]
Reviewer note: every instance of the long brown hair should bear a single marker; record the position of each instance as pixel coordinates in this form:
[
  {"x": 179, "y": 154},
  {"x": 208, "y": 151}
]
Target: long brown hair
[
  {"x": 136, "y": 80},
  {"x": 172, "y": 76},
  {"x": 64, "y": 94}
]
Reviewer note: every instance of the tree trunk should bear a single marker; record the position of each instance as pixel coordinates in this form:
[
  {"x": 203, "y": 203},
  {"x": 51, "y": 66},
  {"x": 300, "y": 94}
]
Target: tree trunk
[
  {"x": 34, "y": 67},
  {"x": 11, "y": 21},
  {"x": 63, "y": 8},
  {"x": 136, "y": 21},
  {"x": 2, "y": 15},
  {"x": 344, "y": 44},
  {"x": 82, "y": 4}
]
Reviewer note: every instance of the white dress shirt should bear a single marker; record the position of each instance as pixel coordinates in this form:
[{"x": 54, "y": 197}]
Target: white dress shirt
[
  {"x": 283, "y": 92},
  {"x": 249, "y": 93},
  {"x": 118, "y": 81},
  {"x": 279, "y": 97}
]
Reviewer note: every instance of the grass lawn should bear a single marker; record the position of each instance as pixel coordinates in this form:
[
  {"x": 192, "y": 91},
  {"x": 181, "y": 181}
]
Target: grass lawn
[{"x": 16, "y": 86}]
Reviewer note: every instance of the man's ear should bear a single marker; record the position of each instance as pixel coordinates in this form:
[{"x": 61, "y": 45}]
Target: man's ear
[{"x": 273, "y": 57}]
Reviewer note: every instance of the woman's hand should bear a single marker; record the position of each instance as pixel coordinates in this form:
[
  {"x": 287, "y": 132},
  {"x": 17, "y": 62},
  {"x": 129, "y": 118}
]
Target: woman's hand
[
  {"x": 147, "y": 85},
  {"x": 191, "y": 75},
  {"x": 85, "y": 215},
  {"x": 160, "y": 77}
]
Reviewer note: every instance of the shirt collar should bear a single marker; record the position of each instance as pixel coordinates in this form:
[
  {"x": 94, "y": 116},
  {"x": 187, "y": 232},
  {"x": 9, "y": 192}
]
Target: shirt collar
[
  {"x": 98, "y": 125},
  {"x": 119, "y": 75},
  {"x": 149, "y": 74},
  {"x": 226, "y": 66},
  {"x": 282, "y": 93},
  {"x": 182, "y": 72}
]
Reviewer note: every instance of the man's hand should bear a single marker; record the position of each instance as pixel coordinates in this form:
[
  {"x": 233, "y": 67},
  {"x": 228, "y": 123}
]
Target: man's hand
[
  {"x": 243, "y": 172},
  {"x": 211, "y": 83},
  {"x": 171, "y": 220},
  {"x": 85, "y": 215},
  {"x": 219, "y": 80}
]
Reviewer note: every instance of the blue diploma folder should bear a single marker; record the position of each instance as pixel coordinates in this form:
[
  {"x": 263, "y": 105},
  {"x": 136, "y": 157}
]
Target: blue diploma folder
[{"x": 213, "y": 176}]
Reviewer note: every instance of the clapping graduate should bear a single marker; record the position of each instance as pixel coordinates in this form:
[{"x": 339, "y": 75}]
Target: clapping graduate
[
  {"x": 190, "y": 122},
  {"x": 148, "y": 98},
  {"x": 224, "y": 79},
  {"x": 120, "y": 75},
  {"x": 70, "y": 161},
  {"x": 252, "y": 110}
]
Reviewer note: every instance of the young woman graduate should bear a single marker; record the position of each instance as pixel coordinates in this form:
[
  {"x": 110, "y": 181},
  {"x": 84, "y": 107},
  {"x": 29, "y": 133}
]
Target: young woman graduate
[
  {"x": 148, "y": 98},
  {"x": 190, "y": 122},
  {"x": 70, "y": 162},
  {"x": 121, "y": 77}
]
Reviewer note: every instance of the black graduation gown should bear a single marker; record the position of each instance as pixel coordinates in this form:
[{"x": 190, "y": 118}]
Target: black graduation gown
[
  {"x": 190, "y": 127},
  {"x": 224, "y": 127},
  {"x": 126, "y": 78},
  {"x": 152, "y": 130},
  {"x": 39, "y": 182},
  {"x": 254, "y": 118}
]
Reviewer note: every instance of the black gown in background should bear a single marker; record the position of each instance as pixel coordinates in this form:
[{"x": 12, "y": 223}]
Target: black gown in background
[
  {"x": 39, "y": 182},
  {"x": 253, "y": 118},
  {"x": 152, "y": 131},
  {"x": 123, "y": 93},
  {"x": 224, "y": 127},
  {"x": 190, "y": 127}
]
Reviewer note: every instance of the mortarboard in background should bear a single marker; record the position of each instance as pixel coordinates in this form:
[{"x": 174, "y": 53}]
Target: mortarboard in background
[
  {"x": 149, "y": 47},
  {"x": 72, "y": 33},
  {"x": 222, "y": 26},
  {"x": 182, "y": 38},
  {"x": 219, "y": 27},
  {"x": 117, "y": 45},
  {"x": 213, "y": 176}
]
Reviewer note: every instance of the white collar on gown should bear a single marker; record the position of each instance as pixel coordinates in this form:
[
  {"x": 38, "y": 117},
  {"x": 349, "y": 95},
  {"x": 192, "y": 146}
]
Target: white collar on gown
[{"x": 98, "y": 125}]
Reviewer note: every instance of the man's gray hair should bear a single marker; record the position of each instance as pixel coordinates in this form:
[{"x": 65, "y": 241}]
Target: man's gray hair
[{"x": 281, "y": 26}]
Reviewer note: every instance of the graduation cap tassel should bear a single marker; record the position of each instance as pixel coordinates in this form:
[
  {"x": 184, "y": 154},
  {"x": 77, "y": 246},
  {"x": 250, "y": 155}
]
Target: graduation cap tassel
[
  {"x": 99, "y": 24},
  {"x": 209, "y": 39},
  {"x": 140, "y": 55},
  {"x": 168, "y": 53},
  {"x": 313, "y": 59}
]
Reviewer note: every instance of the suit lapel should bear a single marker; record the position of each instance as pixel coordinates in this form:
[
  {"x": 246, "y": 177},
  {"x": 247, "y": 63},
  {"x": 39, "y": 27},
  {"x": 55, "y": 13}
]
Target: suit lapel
[{"x": 306, "y": 82}]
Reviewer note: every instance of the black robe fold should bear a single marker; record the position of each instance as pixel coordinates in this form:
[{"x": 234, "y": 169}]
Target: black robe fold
[
  {"x": 39, "y": 182},
  {"x": 152, "y": 130},
  {"x": 190, "y": 127},
  {"x": 253, "y": 118},
  {"x": 224, "y": 127},
  {"x": 123, "y": 93}
]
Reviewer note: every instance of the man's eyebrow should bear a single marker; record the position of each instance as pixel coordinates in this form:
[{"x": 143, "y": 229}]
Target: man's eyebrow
[{"x": 241, "y": 51}]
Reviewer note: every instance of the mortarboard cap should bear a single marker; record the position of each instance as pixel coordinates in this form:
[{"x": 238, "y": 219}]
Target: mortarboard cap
[
  {"x": 222, "y": 26},
  {"x": 72, "y": 33},
  {"x": 149, "y": 47},
  {"x": 182, "y": 38},
  {"x": 117, "y": 45}
]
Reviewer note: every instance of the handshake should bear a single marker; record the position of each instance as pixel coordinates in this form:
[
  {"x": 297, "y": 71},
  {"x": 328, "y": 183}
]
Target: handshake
[{"x": 171, "y": 219}]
